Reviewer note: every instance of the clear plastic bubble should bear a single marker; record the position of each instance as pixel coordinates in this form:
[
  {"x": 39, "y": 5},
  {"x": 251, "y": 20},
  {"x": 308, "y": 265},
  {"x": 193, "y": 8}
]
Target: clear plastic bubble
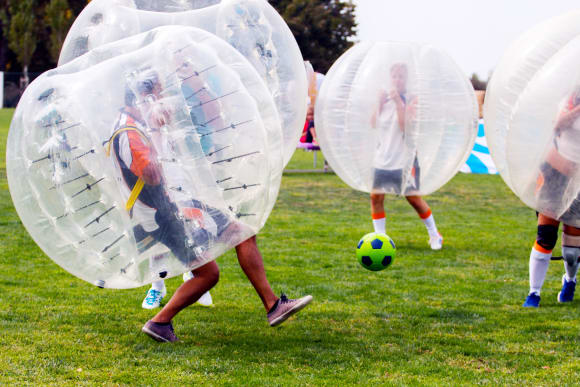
[
  {"x": 531, "y": 117},
  {"x": 396, "y": 118},
  {"x": 253, "y": 27},
  {"x": 149, "y": 163}
]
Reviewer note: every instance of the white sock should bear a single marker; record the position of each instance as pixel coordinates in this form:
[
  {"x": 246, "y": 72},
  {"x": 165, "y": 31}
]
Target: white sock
[
  {"x": 429, "y": 223},
  {"x": 158, "y": 285},
  {"x": 571, "y": 261},
  {"x": 380, "y": 225},
  {"x": 539, "y": 263}
]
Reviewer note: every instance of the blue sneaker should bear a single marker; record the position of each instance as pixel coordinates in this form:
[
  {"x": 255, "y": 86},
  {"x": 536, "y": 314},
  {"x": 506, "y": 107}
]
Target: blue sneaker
[
  {"x": 532, "y": 301},
  {"x": 567, "y": 292},
  {"x": 153, "y": 298}
]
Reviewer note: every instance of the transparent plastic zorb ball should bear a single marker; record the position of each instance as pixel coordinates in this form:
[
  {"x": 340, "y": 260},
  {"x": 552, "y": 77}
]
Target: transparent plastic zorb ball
[
  {"x": 252, "y": 27},
  {"x": 532, "y": 111},
  {"x": 147, "y": 164},
  {"x": 396, "y": 118}
]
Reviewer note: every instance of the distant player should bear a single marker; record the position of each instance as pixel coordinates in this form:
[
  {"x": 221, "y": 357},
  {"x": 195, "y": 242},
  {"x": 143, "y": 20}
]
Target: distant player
[
  {"x": 553, "y": 180},
  {"x": 392, "y": 115}
]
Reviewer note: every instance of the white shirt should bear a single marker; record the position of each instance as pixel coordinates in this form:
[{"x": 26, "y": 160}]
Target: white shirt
[
  {"x": 390, "y": 153},
  {"x": 568, "y": 142}
]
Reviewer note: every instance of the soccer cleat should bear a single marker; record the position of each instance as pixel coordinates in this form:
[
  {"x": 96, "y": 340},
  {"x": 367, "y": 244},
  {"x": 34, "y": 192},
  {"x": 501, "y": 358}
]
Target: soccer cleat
[
  {"x": 205, "y": 299},
  {"x": 436, "y": 242},
  {"x": 285, "y": 308},
  {"x": 567, "y": 292},
  {"x": 153, "y": 298},
  {"x": 160, "y": 332},
  {"x": 532, "y": 301}
]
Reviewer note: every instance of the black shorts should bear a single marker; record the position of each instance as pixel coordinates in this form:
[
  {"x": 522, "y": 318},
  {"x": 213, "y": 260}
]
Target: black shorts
[
  {"x": 390, "y": 181},
  {"x": 173, "y": 234},
  {"x": 552, "y": 184}
]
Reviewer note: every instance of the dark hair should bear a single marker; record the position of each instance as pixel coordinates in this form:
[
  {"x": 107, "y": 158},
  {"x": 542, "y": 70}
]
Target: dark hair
[{"x": 144, "y": 86}]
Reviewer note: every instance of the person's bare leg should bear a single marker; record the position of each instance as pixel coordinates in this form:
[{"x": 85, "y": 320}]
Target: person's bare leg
[
  {"x": 252, "y": 264},
  {"x": 424, "y": 212},
  {"x": 418, "y": 203},
  {"x": 378, "y": 212},
  {"x": 205, "y": 278}
]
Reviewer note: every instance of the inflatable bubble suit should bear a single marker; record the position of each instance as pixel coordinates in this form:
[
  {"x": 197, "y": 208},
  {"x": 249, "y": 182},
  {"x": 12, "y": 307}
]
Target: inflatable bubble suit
[
  {"x": 396, "y": 118},
  {"x": 253, "y": 27},
  {"x": 532, "y": 117},
  {"x": 145, "y": 158}
]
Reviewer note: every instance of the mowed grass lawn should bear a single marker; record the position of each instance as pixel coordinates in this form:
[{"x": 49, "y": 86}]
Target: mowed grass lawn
[{"x": 437, "y": 318}]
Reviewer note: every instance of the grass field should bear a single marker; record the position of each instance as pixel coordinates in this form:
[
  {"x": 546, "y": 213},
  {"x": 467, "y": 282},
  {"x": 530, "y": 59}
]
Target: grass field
[{"x": 434, "y": 318}]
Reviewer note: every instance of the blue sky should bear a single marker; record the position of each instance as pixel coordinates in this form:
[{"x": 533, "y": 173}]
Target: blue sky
[{"x": 474, "y": 32}]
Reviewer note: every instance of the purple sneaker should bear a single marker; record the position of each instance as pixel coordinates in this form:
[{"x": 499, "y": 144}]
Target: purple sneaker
[
  {"x": 160, "y": 332},
  {"x": 285, "y": 308}
]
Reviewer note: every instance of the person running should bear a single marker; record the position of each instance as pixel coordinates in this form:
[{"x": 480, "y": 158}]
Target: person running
[
  {"x": 553, "y": 182},
  {"x": 150, "y": 205},
  {"x": 391, "y": 117}
]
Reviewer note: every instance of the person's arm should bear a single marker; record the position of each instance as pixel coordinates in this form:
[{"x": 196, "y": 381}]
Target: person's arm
[
  {"x": 143, "y": 159},
  {"x": 400, "y": 108},
  {"x": 383, "y": 98},
  {"x": 567, "y": 118}
]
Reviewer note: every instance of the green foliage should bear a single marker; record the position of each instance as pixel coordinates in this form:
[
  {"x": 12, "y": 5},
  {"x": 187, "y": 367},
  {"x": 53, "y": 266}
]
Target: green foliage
[
  {"x": 58, "y": 17},
  {"x": 22, "y": 30},
  {"x": 451, "y": 317},
  {"x": 322, "y": 28}
]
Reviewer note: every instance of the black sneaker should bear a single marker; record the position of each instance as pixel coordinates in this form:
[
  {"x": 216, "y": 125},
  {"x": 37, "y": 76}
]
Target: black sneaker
[
  {"x": 285, "y": 308},
  {"x": 160, "y": 332}
]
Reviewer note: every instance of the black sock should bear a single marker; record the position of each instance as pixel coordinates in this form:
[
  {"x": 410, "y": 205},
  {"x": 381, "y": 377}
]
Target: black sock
[
  {"x": 274, "y": 307},
  {"x": 163, "y": 324}
]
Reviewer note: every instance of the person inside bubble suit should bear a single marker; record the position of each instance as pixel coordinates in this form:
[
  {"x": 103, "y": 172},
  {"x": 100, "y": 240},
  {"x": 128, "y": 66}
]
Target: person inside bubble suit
[
  {"x": 204, "y": 117},
  {"x": 144, "y": 186},
  {"x": 394, "y": 111},
  {"x": 193, "y": 210},
  {"x": 158, "y": 217},
  {"x": 554, "y": 178}
]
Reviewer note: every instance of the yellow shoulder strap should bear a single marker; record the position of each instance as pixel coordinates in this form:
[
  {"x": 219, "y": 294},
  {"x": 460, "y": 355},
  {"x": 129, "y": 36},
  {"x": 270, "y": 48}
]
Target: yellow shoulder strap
[
  {"x": 137, "y": 188},
  {"x": 123, "y": 130}
]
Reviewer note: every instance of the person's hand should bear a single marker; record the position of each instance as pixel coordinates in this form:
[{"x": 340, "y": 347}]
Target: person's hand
[
  {"x": 159, "y": 115},
  {"x": 395, "y": 96},
  {"x": 411, "y": 109}
]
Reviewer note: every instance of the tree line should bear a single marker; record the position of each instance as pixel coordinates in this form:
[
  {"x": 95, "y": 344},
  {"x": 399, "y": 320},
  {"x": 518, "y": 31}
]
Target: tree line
[{"x": 32, "y": 31}]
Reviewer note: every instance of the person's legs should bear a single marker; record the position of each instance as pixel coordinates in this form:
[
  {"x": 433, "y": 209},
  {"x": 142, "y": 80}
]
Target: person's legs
[
  {"x": 252, "y": 264},
  {"x": 424, "y": 212},
  {"x": 570, "y": 253},
  {"x": 278, "y": 309},
  {"x": 206, "y": 299},
  {"x": 540, "y": 255},
  {"x": 206, "y": 277},
  {"x": 159, "y": 327},
  {"x": 378, "y": 213}
]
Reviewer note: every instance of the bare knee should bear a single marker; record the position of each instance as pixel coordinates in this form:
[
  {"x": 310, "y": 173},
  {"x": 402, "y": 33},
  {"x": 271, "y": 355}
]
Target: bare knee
[
  {"x": 418, "y": 204},
  {"x": 377, "y": 199},
  {"x": 210, "y": 272}
]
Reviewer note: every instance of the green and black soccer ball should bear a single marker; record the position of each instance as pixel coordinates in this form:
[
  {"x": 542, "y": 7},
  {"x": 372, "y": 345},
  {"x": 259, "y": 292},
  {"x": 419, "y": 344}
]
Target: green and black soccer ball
[{"x": 376, "y": 251}]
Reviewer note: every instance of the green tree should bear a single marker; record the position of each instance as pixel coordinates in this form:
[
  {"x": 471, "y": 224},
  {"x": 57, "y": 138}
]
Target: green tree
[
  {"x": 323, "y": 28},
  {"x": 58, "y": 18},
  {"x": 21, "y": 27}
]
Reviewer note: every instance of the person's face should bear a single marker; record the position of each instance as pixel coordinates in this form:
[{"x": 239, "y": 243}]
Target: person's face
[
  {"x": 399, "y": 79},
  {"x": 310, "y": 114}
]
